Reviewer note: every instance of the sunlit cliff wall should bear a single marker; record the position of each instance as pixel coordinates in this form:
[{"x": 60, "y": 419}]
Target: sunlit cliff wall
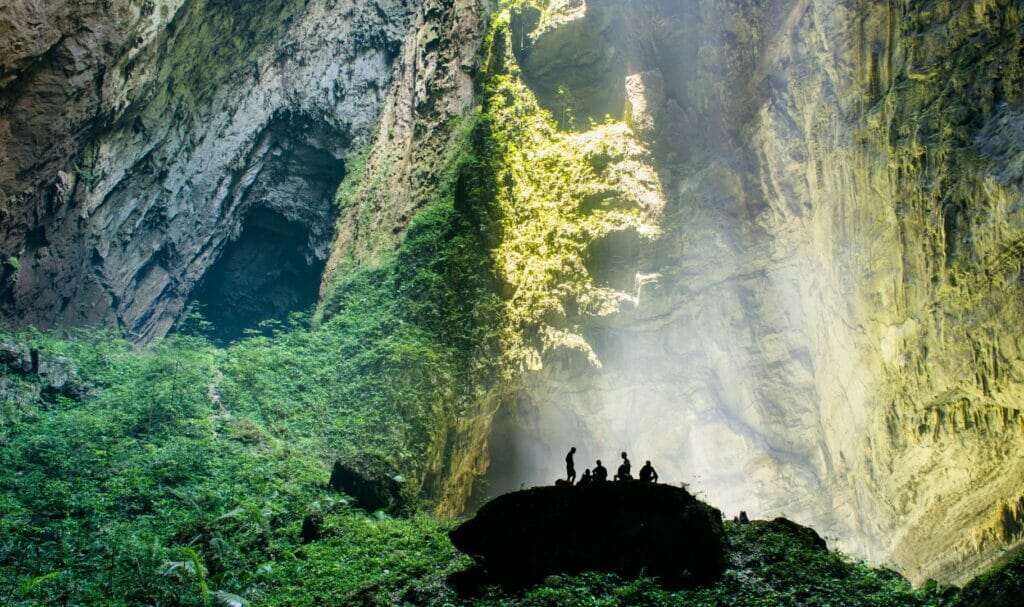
[{"x": 826, "y": 325}]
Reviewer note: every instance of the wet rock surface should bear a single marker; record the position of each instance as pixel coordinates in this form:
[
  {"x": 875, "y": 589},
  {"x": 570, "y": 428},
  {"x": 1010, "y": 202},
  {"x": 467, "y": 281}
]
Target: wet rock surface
[{"x": 625, "y": 528}]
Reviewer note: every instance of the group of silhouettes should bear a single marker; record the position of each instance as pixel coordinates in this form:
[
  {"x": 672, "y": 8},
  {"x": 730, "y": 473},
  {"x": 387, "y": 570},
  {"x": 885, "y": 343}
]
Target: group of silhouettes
[{"x": 600, "y": 474}]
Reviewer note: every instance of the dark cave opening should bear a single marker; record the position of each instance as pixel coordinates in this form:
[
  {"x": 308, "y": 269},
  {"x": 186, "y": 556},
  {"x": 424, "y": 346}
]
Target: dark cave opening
[
  {"x": 273, "y": 266},
  {"x": 265, "y": 274}
]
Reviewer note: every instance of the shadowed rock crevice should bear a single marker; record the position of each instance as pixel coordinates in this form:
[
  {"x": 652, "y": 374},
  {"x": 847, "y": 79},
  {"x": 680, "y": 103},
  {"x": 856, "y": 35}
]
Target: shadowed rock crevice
[
  {"x": 264, "y": 275},
  {"x": 614, "y": 260}
]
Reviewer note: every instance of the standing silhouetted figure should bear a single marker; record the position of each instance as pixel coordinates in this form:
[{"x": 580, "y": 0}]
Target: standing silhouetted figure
[
  {"x": 648, "y": 474},
  {"x": 600, "y": 473},
  {"x": 624, "y": 473},
  {"x": 570, "y": 466}
]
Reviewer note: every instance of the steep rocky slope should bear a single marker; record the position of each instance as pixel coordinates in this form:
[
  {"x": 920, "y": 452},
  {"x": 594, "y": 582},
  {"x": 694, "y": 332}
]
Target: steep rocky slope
[{"x": 139, "y": 137}]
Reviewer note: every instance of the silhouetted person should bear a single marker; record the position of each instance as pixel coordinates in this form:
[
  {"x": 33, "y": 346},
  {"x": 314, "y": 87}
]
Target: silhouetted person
[
  {"x": 648, "y": 474},
  {"x": 744, "y": 519},
  {"x": 570, "y": 467},
  {"x": 600, "y": 473},
  {"x": 625, "y": 469},
  {"x": 587, "y": 478}
]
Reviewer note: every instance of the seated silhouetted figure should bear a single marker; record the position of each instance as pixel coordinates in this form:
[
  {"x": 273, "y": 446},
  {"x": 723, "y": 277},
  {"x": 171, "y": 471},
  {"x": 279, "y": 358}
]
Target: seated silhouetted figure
[
  {"x": 587, "y": 478},
  {"x": 648, "y": 474},
  {"x": 600, "y": 473},
  {"x": 570, "y": 466}
]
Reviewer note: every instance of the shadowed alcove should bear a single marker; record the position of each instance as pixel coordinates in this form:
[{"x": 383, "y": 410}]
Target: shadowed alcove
[{"x": 264, "y": 274}]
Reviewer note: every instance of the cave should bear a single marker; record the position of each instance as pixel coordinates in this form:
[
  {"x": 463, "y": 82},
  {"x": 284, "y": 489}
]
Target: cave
[
  {"x": 273, "y": 265},
  {"x": 265, "y": 274}
]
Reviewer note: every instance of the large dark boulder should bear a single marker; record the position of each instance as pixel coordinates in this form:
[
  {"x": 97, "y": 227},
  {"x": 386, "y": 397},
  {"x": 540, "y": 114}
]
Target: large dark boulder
[
  {"x": 624, "y": 528},
  {"x": 370, "y": 481}
]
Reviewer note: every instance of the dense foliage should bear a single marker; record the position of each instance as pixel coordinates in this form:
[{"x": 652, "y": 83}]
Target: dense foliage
[
  {"x": 1003, "y": 586},
  {"x": 165, "y": 489},
  {"x": 188, "y": 470},
  {"x": 184, "y": 477}
]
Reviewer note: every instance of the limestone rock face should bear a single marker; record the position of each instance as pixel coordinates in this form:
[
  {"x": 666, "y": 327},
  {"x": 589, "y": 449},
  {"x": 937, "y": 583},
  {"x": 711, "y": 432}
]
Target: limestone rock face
[
  {"x": 816, "y": 313},
  {"x": 136, "y": 140},
  {"x": 431, "y": 94},
  {"x": 828, "y": 325}
]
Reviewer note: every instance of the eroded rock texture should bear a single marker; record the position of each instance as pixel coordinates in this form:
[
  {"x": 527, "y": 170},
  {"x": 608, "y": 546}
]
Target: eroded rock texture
[
  {"x": 815, "y": 310},
  {"x": 827, "y": 327},
  {"x": 139, "y": 137}
]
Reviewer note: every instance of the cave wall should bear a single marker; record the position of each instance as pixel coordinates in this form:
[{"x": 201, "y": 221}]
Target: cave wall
[
  {"x": 825, "y": 326},
  {"x": 794, "y": 278},
  {"x": 138, "y": 137}
]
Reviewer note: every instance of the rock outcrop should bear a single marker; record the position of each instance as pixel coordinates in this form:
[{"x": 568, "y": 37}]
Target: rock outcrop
[
  {"x": 618, "y": 527},
  {"x": 370, "y": 482},
  {"x": 54, "y": 375},
  {"x": 137, "y": 140}
]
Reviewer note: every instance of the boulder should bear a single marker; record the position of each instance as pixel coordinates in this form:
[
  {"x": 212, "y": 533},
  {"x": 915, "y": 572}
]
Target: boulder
[
  {"x": 312, "y": 527},
  {"x": 56, "y": 374},
  {"x": 806, "y": 536},
  {"x": 60, "y": 377},
  {"x": 618, "y": 527},
  {"x": 370, "y": 481},
  {"x": 16, "y": 356}
]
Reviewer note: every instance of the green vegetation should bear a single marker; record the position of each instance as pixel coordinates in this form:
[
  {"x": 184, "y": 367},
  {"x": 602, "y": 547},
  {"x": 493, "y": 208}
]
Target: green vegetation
[
  {"x": 152, "y": 492},
  {"x": 15, "y": 265},
  {"x": 188, "y": 471},
  {"x": 559, "y": 193},
  {"x": 1003, "y": 586},
  {"x": 184, "y": 477}
]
